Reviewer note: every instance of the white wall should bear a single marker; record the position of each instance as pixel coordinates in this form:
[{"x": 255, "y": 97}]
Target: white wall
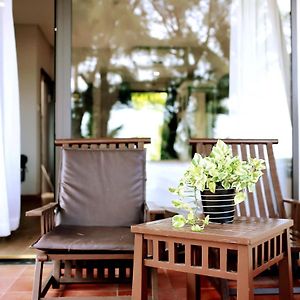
[{"x": 33, "y": 53}]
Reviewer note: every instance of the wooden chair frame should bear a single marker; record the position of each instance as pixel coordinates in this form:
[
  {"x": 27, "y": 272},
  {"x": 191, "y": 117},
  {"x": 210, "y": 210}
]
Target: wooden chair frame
[{"x": 81, "y": 267}]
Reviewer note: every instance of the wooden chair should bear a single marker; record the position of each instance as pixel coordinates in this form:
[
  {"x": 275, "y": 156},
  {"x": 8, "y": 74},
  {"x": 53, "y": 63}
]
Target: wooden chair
[
  {"x": 267, "y": 200},
  {"x": 86, "y": 233}
]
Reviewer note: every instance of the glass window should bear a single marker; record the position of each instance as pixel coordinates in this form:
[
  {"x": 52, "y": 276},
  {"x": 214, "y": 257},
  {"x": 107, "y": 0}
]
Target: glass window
[
  {"x": 173, "y": 55},
  {"x": 161, "y": 69}
]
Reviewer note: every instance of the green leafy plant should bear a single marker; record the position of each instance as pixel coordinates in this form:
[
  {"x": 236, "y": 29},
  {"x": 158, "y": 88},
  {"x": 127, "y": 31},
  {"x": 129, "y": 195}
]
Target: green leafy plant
[{"x": 221, "y": 169}]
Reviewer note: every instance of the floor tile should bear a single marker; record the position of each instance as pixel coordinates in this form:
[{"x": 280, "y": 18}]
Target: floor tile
[
  {"x": 164, "y": 281},
  {"x": 16, "y": 284},
  {"x": 124, "y": 293},
  {"x": 167, "y": 294},
  {"x": 6, "y": 283},
  {"x": 88, "y": 293},
  {"x": 180, "y": 293},
  {"x": 29, "y": 271},
  {"x": 92, "y": 287},
  {"x": 16, "y": 296},
  {"x": 54, "y": 293},
  {"x": 11, "y": 270},
  {"x": 177, "y": 280},
  {"x": 22, "y": 284}
]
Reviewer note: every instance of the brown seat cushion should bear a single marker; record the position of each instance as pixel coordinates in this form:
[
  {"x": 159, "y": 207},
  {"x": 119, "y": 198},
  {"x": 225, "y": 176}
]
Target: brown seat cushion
[{"x": 86, "y": 238}]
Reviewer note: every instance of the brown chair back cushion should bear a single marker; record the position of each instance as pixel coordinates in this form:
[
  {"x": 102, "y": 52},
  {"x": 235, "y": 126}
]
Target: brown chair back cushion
[{"x": 101, "y": 187}]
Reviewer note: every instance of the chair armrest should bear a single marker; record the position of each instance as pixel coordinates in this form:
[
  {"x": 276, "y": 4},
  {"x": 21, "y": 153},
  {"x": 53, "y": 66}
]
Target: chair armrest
[
  {"x": 154, "y": 212},
  {"x": 295, "y": 212},
  {"x": 295, "y": 209},
  {"x": 46, "y": 214},
  {"x": 37, "y": 212},
  {"x": 291, "y": 201}
]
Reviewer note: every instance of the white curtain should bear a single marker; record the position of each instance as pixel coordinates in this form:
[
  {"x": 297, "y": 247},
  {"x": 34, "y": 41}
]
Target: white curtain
[
  {"x": 9, "y": 124},
  {"x": 259, "y": 93}
]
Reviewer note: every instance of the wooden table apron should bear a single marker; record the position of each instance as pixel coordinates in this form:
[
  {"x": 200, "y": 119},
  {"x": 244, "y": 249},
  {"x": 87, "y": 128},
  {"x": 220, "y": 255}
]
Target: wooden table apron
[{"x": 238, "y": 251}]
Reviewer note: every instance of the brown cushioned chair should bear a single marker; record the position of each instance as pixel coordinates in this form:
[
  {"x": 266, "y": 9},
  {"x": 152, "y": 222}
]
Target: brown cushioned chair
[{"x": 86, "y": 233}]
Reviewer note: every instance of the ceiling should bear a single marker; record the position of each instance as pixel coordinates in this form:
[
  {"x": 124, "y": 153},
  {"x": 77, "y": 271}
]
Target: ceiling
[{"x": 36, "y": 12}]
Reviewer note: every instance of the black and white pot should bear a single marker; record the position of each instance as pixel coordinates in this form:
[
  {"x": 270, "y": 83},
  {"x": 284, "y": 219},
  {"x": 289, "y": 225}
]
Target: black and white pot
[{"x": 219, "y": 205}]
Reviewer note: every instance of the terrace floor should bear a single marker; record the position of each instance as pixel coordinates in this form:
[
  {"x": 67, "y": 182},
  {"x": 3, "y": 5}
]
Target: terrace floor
[
  {"x": 17, "y": 271},
  {"x": 16, "y": 284}
]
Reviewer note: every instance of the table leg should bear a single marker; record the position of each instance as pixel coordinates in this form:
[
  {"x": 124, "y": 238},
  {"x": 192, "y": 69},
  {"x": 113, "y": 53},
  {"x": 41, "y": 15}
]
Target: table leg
[
  {"x": 139, "y": 283},
  {"x": 154, "y": 283},
  {"x": 245, "y": 279},
  {"x": 193, "y": 287},
  {"x": 285, "y": 271}
]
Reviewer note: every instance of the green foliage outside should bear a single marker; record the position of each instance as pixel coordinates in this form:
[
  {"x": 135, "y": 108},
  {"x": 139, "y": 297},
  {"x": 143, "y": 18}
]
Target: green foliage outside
[{"x": 144, "y": 99}]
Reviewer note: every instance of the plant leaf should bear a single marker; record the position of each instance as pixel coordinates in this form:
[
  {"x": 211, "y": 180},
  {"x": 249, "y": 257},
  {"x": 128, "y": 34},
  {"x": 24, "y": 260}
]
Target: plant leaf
[
  {"x": 178, "y": 221},
  {"x": 190, "y": 216},
  {"x": 212, "y": 186},
  {"x": 172, "y": 190},
  {"x": 239, "y": 197},
  {"x": 206, "y": 220},
  {"x": 197, "y": 228},
  {"x": 180, "y": 204}
]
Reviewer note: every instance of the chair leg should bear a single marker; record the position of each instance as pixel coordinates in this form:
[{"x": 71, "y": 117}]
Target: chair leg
[
  {"x": 56, "y": 274},
  {"x": 193, "y": 286},
  {"x": 295, "y": 267},
  {"x": 224, "y": 289},
  {"x": 37, "y": 284},
  {"x": 154, "y": 283}
]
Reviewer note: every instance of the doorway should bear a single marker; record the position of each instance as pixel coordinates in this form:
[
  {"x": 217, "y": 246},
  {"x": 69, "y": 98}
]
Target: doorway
[{"x": 47, "y": 117}]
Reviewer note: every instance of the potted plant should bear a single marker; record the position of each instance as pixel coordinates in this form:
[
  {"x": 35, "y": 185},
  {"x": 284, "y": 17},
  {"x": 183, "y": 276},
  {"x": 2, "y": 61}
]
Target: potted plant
[{"x": 220, "y": 179}]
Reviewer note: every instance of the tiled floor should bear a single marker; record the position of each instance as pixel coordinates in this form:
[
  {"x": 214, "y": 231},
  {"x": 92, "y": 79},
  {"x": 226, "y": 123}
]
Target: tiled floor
[{"x": 16, "y": 284}]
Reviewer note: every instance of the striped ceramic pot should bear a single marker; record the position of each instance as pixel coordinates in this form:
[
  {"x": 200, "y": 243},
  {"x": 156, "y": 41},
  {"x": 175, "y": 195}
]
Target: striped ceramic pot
[{"x": 219, "y": 205}]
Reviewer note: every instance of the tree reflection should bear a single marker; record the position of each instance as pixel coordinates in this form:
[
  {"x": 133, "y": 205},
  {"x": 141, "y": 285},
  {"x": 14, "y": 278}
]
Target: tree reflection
[{"x": 147, "y": 45}]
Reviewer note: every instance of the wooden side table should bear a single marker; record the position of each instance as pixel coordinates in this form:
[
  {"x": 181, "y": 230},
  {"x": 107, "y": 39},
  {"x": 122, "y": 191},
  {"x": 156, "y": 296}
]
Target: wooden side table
[{"x": 238, "y": 251}]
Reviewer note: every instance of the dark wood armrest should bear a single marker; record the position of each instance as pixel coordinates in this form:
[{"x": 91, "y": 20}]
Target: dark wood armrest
[
  {"x": 291, "y": 201},
  {"x": 37, "y": 212},
  {"x": 155, "y": 212},
  {"x": 295, "y": 234},
  {"x": 294, "y": 213},
  {"x": 46, "y": 213}
]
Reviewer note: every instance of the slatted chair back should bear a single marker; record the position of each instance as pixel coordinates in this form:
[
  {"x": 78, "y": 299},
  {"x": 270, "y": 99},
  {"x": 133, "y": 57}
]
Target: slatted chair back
[
  {"x": 104, "y": 143},
  {"x": 266, "y": 200}
]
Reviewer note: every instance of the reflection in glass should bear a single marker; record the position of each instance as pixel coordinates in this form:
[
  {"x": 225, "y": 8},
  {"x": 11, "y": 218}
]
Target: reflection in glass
[
  {"x": 160, "y": 68},
  {"x": 140, "y": 49},
  {"x": 122, "y": 50}
]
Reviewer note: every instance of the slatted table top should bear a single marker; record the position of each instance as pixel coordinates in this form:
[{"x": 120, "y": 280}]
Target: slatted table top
[{"x": 244, "y": 231}]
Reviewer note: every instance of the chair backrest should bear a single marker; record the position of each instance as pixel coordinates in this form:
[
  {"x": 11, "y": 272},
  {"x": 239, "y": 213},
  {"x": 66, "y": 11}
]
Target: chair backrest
[
  {"x": 266, "y": 200},
  {"x": 102, "y": 182}
]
